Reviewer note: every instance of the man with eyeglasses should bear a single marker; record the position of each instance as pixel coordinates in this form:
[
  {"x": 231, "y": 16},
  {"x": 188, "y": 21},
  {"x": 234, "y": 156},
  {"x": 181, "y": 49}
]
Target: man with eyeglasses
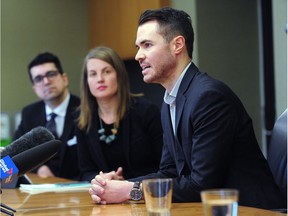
[{"x": 56, "y": 111}]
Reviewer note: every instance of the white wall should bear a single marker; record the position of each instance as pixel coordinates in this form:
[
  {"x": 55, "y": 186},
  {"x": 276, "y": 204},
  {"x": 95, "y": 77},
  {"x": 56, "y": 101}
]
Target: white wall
[
  {"x": 279, "y": 11},
  {"x": 189, "y": 6},
  {"x": 33, "y": 26}
]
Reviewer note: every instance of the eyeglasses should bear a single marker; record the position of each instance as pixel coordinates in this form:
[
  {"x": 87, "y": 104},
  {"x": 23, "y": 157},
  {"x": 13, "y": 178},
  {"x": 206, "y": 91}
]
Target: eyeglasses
[{"x": 51, "y": 75}]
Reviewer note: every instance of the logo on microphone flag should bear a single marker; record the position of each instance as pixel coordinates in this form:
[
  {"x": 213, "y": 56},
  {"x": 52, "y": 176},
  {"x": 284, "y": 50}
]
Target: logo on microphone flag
[{"x": 9, "y": 171}]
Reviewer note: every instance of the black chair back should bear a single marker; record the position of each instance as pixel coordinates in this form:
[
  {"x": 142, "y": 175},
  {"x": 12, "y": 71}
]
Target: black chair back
[{"x": 277, "y": 154}]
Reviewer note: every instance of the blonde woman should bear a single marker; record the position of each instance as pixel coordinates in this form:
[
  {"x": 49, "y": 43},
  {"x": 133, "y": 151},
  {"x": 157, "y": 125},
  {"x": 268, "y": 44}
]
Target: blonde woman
[{"x": 118, "y": 131}]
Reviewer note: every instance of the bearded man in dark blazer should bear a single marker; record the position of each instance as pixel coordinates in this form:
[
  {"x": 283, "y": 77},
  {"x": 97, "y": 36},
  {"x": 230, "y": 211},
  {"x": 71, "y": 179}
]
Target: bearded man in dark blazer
[
  {"x": 50, "y": 84},
  {"x": 208, "y": 139}
]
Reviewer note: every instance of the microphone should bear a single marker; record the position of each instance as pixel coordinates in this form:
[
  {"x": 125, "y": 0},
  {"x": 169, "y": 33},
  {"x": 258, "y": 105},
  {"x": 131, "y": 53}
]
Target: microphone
[
  {"x": 29, "y": 140},
  {"x": 36, "y": 156},
  {"x": 17, "y": 166},
  {"x": 23, "y": 162}
]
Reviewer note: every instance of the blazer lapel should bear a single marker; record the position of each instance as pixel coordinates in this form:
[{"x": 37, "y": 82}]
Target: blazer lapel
[
  {"x": 42, "y": 117},
  {"x": 180, "y": 104},
  {"x": 69, "y": 126},
  {"x": 68, "y": 130},
  {"x": 181, "y": 97},
  {"x": 173, "y": 142}
]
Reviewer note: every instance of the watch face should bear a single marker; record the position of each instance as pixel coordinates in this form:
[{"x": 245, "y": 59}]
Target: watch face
[{"x": 136, "y": 194}]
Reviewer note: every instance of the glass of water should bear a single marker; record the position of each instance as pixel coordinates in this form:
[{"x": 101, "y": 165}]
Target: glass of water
[
  {"x": 220, "y": 202},
  {"x": 158, "y": 196}
]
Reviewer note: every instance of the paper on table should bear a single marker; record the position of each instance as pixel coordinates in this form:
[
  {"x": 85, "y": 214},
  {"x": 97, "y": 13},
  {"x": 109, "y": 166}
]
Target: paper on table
[{"x": 58, "y": 187}]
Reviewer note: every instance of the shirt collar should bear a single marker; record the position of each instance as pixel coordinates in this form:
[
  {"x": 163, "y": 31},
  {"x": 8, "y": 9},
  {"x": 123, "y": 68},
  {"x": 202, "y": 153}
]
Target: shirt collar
[
  {"x": 169, "y": 98},
  {"x": 59, "y": 110}
]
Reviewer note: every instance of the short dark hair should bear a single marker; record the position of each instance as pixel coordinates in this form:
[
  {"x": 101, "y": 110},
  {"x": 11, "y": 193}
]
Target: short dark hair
[
  {"x": 172, "y": 22},
  {"x": 43, "y": 58}
]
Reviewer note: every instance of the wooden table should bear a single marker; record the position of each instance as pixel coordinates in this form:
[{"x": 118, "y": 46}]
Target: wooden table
[{"x": 80, "y": 203}]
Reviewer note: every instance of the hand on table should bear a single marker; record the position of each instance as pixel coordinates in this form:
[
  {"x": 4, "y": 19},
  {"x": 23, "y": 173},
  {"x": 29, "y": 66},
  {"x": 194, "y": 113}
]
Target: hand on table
[
  {"x": 45, "y": 172},
  {"x": 104, "y": 191}
]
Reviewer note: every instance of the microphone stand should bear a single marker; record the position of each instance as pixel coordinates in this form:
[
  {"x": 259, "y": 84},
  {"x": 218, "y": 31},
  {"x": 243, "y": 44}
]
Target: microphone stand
[{"x": 6, "y": 209}]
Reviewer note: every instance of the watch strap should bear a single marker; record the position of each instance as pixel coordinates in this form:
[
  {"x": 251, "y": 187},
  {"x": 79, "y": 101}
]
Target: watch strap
[{"x": 136, "y": 185}]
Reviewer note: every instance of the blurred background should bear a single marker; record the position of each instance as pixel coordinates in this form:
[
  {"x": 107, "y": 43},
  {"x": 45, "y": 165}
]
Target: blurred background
[{"x": 241, "y": 42}]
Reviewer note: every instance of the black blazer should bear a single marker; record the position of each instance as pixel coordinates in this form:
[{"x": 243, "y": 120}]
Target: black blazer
[
  {"x": 215, "y": 146},
  {"x": 141, "y": 136},
  {"x": 65, "y": 162}
]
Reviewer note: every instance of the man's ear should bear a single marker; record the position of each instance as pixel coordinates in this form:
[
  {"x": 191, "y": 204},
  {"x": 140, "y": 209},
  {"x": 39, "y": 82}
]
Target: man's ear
[
  {"x": 179, "y": 44},
  {"x": 66, "y": 79}
]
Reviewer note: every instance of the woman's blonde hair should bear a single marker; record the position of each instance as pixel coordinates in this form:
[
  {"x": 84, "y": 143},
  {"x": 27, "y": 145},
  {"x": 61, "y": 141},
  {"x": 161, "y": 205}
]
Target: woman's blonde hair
[{"x": 88, "y": 102}]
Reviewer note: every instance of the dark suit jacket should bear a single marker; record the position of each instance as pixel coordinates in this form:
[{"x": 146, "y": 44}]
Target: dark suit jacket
[
  {"x": 65, "y": 162},
  {"x": 215, "y": 146},
  {"x": 141, "y": 137}
]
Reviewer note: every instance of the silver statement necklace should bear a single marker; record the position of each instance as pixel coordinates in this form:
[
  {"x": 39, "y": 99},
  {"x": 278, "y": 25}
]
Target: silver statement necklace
[{"x": 104, "y": 137}]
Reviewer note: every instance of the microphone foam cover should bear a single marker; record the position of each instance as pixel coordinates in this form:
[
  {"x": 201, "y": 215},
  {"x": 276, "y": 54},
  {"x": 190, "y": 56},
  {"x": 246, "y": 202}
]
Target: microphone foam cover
[{"x": 29, "y": 140}]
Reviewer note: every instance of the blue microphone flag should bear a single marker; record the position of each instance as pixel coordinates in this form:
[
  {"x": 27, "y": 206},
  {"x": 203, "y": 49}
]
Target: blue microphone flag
[{"x": 9, "y": 171}]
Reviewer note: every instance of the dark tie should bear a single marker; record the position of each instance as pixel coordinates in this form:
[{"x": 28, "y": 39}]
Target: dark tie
[{"x": 51, "y": 125}]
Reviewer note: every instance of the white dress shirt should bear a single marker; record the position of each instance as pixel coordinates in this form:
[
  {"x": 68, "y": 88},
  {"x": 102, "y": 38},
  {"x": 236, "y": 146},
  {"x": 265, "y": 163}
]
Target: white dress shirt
[
  {"x": 170, "y": 98},
  {"x": 61, "y": 113}
]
